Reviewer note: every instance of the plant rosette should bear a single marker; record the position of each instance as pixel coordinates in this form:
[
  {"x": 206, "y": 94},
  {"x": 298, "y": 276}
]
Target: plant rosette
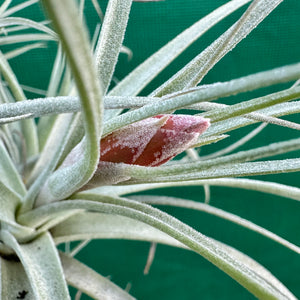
[{"x": 75, "y": 159}]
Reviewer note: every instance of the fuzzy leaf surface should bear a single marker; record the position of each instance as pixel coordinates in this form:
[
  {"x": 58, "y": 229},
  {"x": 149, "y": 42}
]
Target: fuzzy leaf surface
[
  {"x": 91, "y": 283},
  {"x": 172, "y": 201},
  {"x": 133, "y": 83},
  {"x": 193, "y": 72},
  {"x": 89, "y": 225},
  {"x": 42, "y": 266},
  {"x": 75, "y": 43},
  {"x": 111, "y": 38},
  {"x": 14, "y": 282},
  {"x": 9, "y": 174},
  {"x": 259, "y": 283}
]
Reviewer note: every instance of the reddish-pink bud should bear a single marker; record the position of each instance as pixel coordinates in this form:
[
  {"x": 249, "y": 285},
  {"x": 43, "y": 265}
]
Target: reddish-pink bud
[{"x": 153, "y": 141}]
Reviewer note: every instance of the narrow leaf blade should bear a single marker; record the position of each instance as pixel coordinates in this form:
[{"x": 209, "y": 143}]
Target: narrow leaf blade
[
  {"x": 88, "y": 281},
  {"x": 42, "y": 266}
]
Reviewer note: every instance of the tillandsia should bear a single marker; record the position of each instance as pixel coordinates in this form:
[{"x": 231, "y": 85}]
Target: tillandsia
[{"x": 81, "y": 161}]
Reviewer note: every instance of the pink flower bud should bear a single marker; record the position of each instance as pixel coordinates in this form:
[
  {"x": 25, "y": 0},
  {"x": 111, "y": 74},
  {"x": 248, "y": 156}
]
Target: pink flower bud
[
  {"x": 150, "y": 142},
  {"x": 153, "y": 141}
]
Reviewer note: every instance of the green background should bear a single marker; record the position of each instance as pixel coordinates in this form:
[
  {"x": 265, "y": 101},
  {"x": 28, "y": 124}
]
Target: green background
[{"x": 176, "y": 273}]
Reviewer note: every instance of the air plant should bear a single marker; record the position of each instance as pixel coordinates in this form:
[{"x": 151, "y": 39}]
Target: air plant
[{"x": 72, "y": 162}]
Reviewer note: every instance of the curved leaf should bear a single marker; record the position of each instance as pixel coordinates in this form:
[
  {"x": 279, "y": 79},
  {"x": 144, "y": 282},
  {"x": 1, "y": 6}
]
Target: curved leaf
[
  {"x": 75, "y": 43},
  {"x": 227, "y": 170},
  {"x": 278, "y": 189},
  {"x": 111, "y": 38},
  {"x": 63, "y": 104},
  {"x": 252, "y": 105},
  {"x": 12, "y": 21},
  {"x": 14, "y": 282},
  {"x": 89, "y": 225},
  {"x": 193, "y": 72},
  {"x": 18, "y": 7},
  {"x": 118, "y": 227},
  {"x": 88, "y": 281},
  {"x": 47, "y": 160},
  {"x": 9, "y": 174},
  {"x": 24, "y": 38},
  {"x": 19, "y": 51},
  {"x": 258, "y": 283},
  {"x": 10, "y": 201},
  {"x": 133, "y": 83},
  {"x": 237, "y": 122},
  {"x": 200, "y": 95},
  {"x": 4, "y": 6},
  {"x": 28, "y": 126},
  {"x": 42, "y": 266},
  {"x": 159, "y": 200},
  {"x": 229, "y": 161}
]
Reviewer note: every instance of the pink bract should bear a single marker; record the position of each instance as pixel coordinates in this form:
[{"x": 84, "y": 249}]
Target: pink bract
[{"x": 153, "y": 141}]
